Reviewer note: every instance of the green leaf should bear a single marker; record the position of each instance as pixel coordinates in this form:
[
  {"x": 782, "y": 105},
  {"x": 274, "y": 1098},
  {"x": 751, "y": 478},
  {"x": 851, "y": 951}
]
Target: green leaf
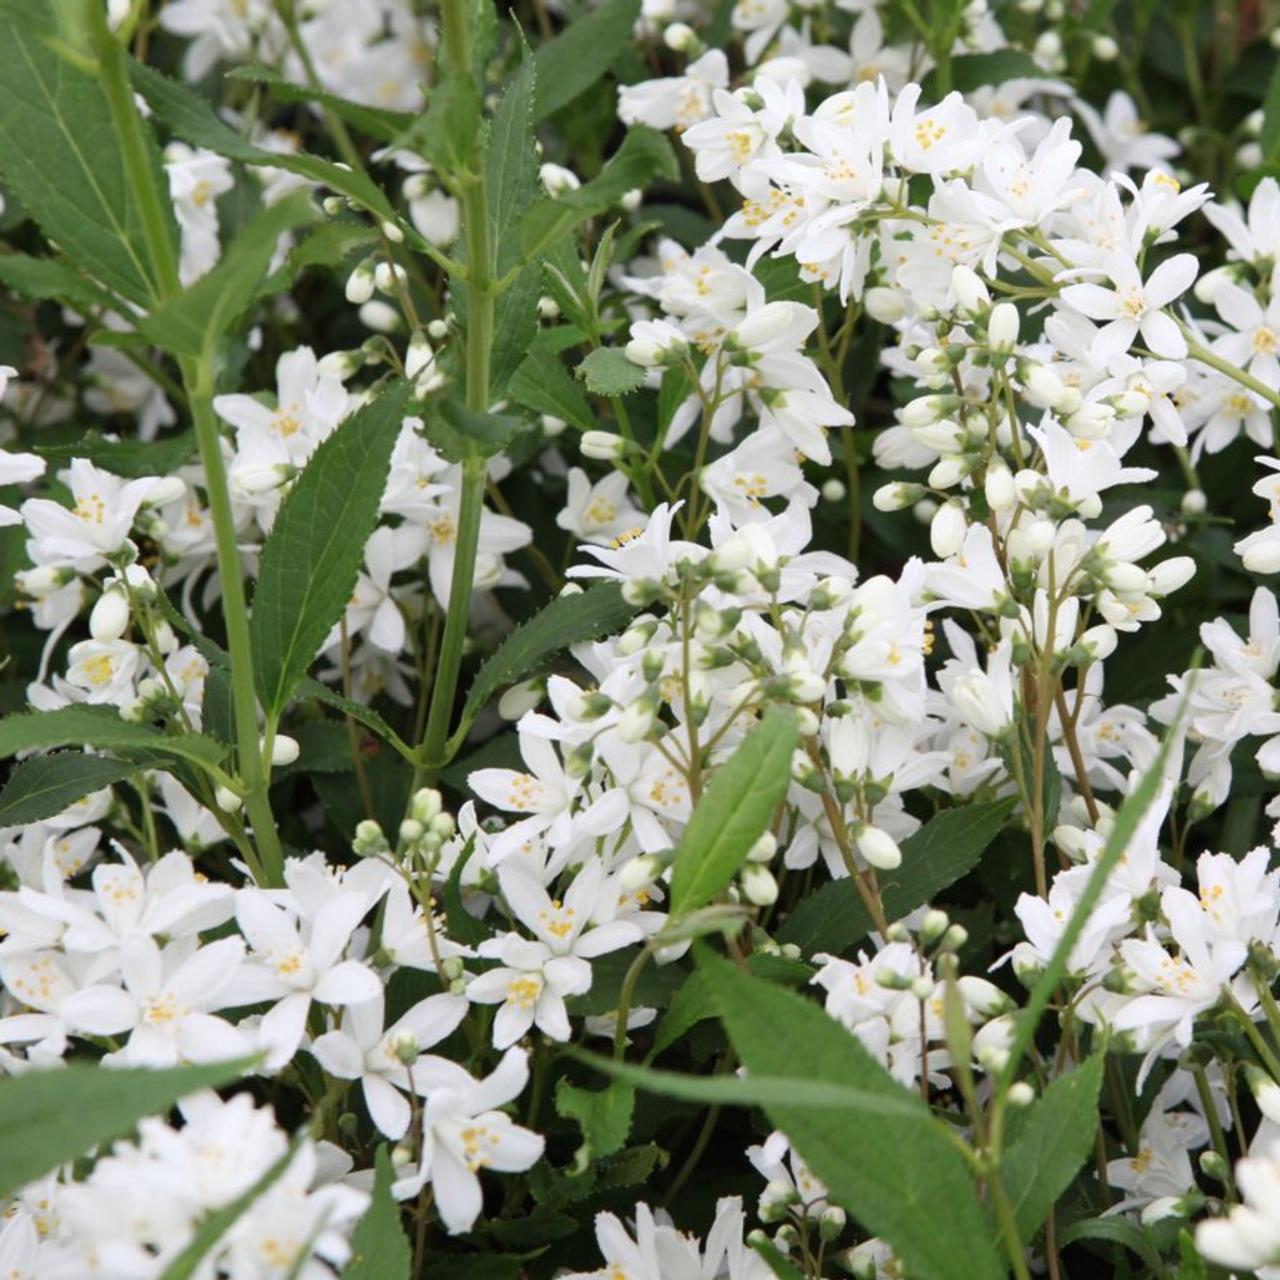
[
  {"x": 1053, "y": 1141},
  {"x": 61, "y": 156},
  {"x": 128, "y": 457},
  {"x": 888, "y": 1162},
  {"x": 511, "y": 163},
  {"x": 218, "y": 1223},
  {"x": 189, "y": 323},
  {"x": 644, "y": 154},
  {"x": 603, "y": 1115},
  {"x": 1115, "y": 1231},
  {"x": 608, "y": 372},
  {"x": 572, "y": 62},
  {"x": 316, "y": 546},
  {"x": 43, "y": 787},
  {"x": 50, "y": 1117},
  {"x": 779, "y": 1263},
  {"x": 448, "y": 133},
  {"x": 191, "y": 118},
  {"x": 42, "y": 278},
  {"x": 377, "y": 122},
  {"x": 460, "y": 433},
  {"x": 734, "y": 812},
  {"x": 515, "y": 326},
  {"x": 567, "y": 620},
  {"x": 313, "y": 691},
  {"x": 84, "y": 726},
  {"x": 379, "y": 1247},
  {"x": 944, "y": 849},
  {"x": 541, "y": 383},
  {"x": 332, "y": 245}
]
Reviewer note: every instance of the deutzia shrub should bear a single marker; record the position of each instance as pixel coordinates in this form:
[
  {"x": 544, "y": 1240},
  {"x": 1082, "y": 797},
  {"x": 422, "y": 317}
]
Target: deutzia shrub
[{"x": 639, "y": 640}]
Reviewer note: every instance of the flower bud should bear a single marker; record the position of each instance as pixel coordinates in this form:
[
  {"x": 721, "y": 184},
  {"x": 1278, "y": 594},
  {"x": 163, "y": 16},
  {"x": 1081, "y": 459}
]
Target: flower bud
[
  {"x": 640, "y": 872},
  {"x": 879, "y": 848},
  {"x": 885, "y": 305},
  {"x": 998, "y": 486},
  {"x": 758, "y": 885},
  {"x": 1262, "y": 556},
  {"x": 1167, "y": 576},
  {"x": 284, "y": 749},
  {"x": 227, "y": 800},
  {"x": 1021, "y": 1094},
  {"x": 1002, "y": 327},
  {"x": 1194, "y": 502},
  {"x": 834, "y": 490},
  {"x": 897, "y": 496},
  {"x": 603, "y": 446},
  {"x": 360, "y": 285},
  {"x": 947, "y": 530},
  {"x": 110, "y": 616},
  {"x": 1105, "y": 49},
  {"x": 970, "y": 292},
  {"x": 369, "y": 839}
]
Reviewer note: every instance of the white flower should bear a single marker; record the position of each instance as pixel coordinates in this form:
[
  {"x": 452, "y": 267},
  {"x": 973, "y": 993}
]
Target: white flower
[
  {"x": 464, "y": 1133},
  {"x": 1248, "y": 1238}
]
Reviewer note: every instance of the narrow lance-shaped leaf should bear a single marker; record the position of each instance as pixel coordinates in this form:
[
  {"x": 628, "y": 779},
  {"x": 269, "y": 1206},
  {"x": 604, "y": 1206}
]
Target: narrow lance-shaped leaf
[
  {"x": 50, "y": 1117},
  {"x": 85, "y": 726},
  {"x": 313, "y": 554},
  {"x": 61, "y": 156},
  {"x": 572, "y": 62},
  {"x": 1053, "y": 1141},
  {"x": 43, "y": 787},
  {"x": 890, "y": 1165},
  {"x": 734, "y": 812},
  {"x": 379, "y": 1247}
]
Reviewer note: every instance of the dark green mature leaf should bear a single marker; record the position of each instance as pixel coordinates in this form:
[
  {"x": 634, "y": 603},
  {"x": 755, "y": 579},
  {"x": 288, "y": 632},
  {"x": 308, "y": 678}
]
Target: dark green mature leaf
[
  {"x": 572, "y": 62},
  {"x": 567, "y": 620},
  {"x": 1116, "y": 1230},
  {"x": 190, "y": 117},
  {"x": 50, "y": 1117},
  {"x": 189, "y": 323},
  {"x": 944, "y": 849},
  {"x": 379, "y": 1248},
  {"x": 85, "y": 726},
  {"x": 126, "y": 457},
  {"x": 888, "y": 1163},
  {"x": 515, "y": 326},
  {"x": 313, "y": 691},
  {"x": 316, "y": 546},
  {"x": 460, "y": 433},
  {"x": 779, "y": 1263},
  {"x": 377, "y": 122},
  {"x": 603, "y": 1115},
  {"x": 43, "y": 787},
  {"x": 608, "y": 372},
  {"x": 1052, "y": 1143},
  {"x": 734, "y": 812},
  {"x": 218, "y": 1223},
  {"x": 43, "y": 278},
  {"x": 542, "y": 383},
  {"x": 334, "y": 245},
  {"x": 644, "y": 154},
  {"x": 60, "y": 155},
  {"x": 511, "y": 163}
]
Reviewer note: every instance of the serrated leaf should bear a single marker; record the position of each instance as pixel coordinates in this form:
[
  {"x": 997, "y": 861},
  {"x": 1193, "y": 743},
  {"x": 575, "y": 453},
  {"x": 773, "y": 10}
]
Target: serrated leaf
[
  {"x": 947, "y": 847},
  {"x": 888, "y": 1163},
  {"x": 644, "y": 154},
  {"x": 608, "y": 372},
  {"x": 314, "y": 691},
  {"x": 85, "y": 726},
  {"x": 130, "y": 458},
  {"x": 511, "y": 162},
  {"x": 43, "y": 787},
  {"x": 61, "y": 156},
  {"x": 43, "y": 278},
  {"x": 734, "y": 812},
  {"x": 567, "y": 620},
  {"x": 515, "y": 326},
  {"x": 603, "y": 1115},
  {"x": 50, "y": 1117},
  {"x": 313, "y": 554},
  {"x": 572, "y": 62},
  {"x": 542, "y": 383},
  {"x": 1054, "y": 1139},
  {"x": 377, "y": 122},
  {"x": 379, "y": 1247},
  {"x": 217, "y": 1224},
  {"x": 332, "y": 245},
  {"x": 460, "y": 433},
  {"x": 189, "y": 323}
]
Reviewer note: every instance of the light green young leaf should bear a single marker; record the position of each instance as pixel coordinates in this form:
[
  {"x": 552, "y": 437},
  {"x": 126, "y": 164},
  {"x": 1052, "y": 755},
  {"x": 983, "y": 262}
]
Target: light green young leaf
[
  {"x": 603, "y": 1115},
  {"x": 567, "y": 620},
  {"x": 947, "y": 847},
  {"x": 541, "y": 383},
  {"x": 316, "y": 546},
  {"x": 1053, "y": 1141},
  {"x": 888, "y": 1162},
  {"x": 218, "y": 1223},
  {"x": 734, "y": 812},
  {"x": 189, "y": 323},
  {"x": 45, "y": 785},
  {"x": 379, "y": 1247},
  {"x": 85, "y": 726},
  {"x": 644, "y": 154},
  {"x": 608, "y": 372},
  {"x": 60, "y": 155},
  {"x": 50, "y": 1117},
  {"x": 572, "y": 62}
]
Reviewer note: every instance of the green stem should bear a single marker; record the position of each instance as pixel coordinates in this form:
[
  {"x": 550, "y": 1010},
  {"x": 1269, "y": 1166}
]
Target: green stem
[
  {"x": 1009, "y": 1228},
  {"x": 1198, "y": 351},
  {"x": 481, "y": 292}
]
